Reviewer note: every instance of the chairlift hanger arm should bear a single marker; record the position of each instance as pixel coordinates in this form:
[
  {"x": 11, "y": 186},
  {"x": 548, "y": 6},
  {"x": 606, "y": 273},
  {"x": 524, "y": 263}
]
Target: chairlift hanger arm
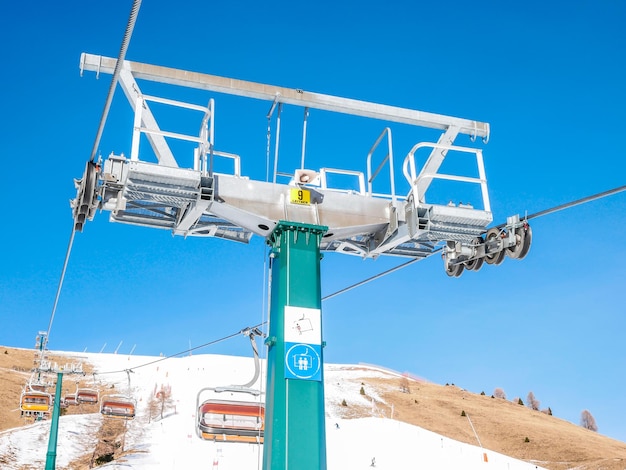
[{"x": 293, "y": 96}]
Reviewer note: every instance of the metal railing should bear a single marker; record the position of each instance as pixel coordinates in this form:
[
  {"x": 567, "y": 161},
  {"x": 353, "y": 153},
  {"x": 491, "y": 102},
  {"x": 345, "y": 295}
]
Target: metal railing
[
  {"x": 324, "y": 179},
  {"x": 203, "y": 154},
  {"x": 408, "y": 169},
  {"x": 388, "y": 158}
]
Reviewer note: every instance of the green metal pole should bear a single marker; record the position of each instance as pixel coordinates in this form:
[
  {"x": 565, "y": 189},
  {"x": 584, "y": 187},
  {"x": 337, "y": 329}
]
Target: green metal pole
[
  {"x": 51, "y": 456},
  {"x": 295, "y": 434}
]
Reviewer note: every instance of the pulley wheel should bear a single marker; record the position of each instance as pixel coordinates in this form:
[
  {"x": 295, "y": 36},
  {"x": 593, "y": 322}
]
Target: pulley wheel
[
  {"x": 515, "y": 251},
  {"x": 476, "y": 263},
  {"x": 528, "y": 238},
  {"x": 498, "y": 257},
  {"x": 454, "y": 270}
]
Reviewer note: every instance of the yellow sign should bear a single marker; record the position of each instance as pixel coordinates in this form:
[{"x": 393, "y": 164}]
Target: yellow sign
[{"x": 300, "y": 196}]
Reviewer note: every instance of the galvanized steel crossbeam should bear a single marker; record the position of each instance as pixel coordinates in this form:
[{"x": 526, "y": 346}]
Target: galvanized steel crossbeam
[{"x": 292, "y": 96}]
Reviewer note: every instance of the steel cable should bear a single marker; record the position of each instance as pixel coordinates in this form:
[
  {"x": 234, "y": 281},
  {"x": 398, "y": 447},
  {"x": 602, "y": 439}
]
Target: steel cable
[
  {"x": 210, "y": 343},
  {"x": 584, "y": 200},
  {"x": 125, "y": 41},
  {"x": 567, "y": 205},
  {"x": 58, "y": 294},
  {"x": 116, "y": 73}
]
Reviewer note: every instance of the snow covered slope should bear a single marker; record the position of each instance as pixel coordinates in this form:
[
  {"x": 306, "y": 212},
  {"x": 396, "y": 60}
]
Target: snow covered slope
[{"x": 172, "y": 443}]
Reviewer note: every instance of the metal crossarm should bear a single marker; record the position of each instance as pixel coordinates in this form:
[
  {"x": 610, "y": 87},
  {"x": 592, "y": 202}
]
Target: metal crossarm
[
  {"x": 197, "y": 201},
  {"x": 292, "y": 96}
]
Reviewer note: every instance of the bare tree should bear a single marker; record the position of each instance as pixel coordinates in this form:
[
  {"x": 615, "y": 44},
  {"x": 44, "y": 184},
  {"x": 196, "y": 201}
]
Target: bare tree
[
  {"x": 532, "y": 402},
  {"x": 499, "y": 393},
  {"x": 153, "y": 407},
  {"x": 164, "y": 397},
  {"x": 404, "y": 385},
  {"x": 587, "y": 421}
]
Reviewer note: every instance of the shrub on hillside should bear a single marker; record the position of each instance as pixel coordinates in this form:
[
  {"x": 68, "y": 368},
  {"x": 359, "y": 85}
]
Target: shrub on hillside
[
  {"x": 104, "y": 459},
  {"x": 532, "y": 402},
  {"x": 587, "y": 421}
]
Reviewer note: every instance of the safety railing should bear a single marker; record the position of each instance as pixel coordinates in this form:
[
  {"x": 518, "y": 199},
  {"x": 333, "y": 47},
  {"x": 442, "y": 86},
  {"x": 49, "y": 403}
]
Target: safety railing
[
  {"x": 324, "y": 172},
  {"x": 388, "y": 158},
  {"x": 203, "y": 154},
  {"x": 408, "y": 169}
]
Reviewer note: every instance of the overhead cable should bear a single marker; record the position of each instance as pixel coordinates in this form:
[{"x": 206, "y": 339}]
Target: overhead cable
[
  {"x": 567, "y": 205},
  {"x": 129, "y": 29},
  {"x": 584, "y": 200},
  {"x": 58, "y": 294},
  {"x": 116, "y": 73},
  {"x": 373, "y": 278},
  {"x": 210, "y": 343}
]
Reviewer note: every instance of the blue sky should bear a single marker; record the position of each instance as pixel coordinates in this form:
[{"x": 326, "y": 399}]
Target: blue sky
[{"x": 549, "y": 80}]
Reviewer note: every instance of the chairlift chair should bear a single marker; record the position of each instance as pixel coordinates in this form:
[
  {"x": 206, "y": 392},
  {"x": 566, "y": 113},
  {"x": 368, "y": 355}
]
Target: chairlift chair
[
  {"x": 118, "y": 406},
  {"x": 232, "y": 420},
  {"x": 37, "y": 387},
  {"x": 87, "y": 395},
  {"x": 70, "y": 400},
  {"x": 35, "y": 402}
]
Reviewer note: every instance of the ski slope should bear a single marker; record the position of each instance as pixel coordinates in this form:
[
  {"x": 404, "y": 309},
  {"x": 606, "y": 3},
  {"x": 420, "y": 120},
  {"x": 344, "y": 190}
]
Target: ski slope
[{"x": 172, "y": 443}]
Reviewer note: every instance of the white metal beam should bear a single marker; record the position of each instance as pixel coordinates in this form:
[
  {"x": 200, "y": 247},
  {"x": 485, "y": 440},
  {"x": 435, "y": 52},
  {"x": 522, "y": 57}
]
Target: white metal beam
[
  {"x": 291, "y": 96},
  {"x": 435, "y": 160},
  {"x": 158, "y": 143}
]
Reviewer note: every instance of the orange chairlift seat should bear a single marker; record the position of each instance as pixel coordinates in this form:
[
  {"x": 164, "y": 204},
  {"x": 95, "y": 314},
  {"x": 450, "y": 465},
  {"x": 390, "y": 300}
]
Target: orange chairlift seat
[
  {"x": 118, "y": 406},
  {"x": 70, "y": 400},
  {"x": 37, "y": 387},
  {"x": 87, "y": 395},
  {"x": 232, "y": 421}
]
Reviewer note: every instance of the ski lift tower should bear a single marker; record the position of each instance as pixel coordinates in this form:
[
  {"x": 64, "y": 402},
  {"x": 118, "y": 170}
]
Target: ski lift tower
[{"x": 299, "y": 220}]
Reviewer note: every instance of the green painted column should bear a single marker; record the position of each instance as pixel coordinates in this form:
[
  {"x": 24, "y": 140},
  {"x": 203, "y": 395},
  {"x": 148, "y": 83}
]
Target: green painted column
[
  {"x": 51, "y": 456},
  {"x": 295, "y": 435}
]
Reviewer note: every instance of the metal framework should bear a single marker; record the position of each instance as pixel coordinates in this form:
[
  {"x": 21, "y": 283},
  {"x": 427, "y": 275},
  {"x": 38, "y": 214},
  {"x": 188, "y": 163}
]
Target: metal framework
[
  {"x": 299, "y": 220},
  {"x": 197, "y": 201}
]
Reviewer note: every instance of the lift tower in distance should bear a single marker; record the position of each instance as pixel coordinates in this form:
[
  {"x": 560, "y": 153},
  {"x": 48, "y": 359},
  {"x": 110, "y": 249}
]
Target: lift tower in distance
[{"x": 300, "y": 219}]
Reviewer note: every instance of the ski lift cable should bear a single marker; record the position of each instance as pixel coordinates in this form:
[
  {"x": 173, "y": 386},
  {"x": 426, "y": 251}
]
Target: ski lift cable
[
  {"x": 210, "y": 343},
  {"x": 577, "y": 202},
  {"x": 552, "y": 210},
  {"x": 373, "y": 278},
  {"x": 129, "y": 29},
  {"x": 58, "y": 294},
  {"x": 116, "y": 73}
]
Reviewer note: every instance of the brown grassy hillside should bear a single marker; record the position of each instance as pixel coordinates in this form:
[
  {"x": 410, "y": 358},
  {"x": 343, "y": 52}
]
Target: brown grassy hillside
[
  {"x": 501, "y": 425},
  {"x": 15, "y": 371}
]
